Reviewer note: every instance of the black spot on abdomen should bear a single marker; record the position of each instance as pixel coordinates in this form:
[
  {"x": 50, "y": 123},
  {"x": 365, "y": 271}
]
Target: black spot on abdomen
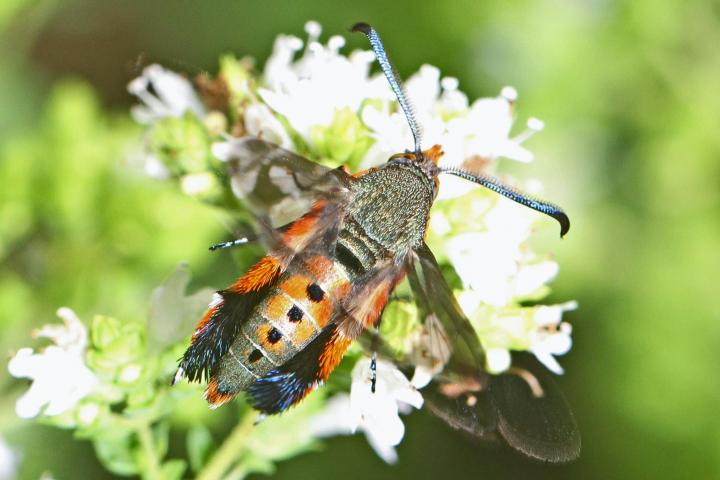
[
  {"x": 315, "y": 292},
  {"x": 295, "y": 314},
  {"x": 254, "y": 356},
  {"x": 274, "y": 336}
]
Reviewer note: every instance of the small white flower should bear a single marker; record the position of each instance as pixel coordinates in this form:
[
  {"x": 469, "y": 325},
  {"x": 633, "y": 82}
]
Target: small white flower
[
  {"x": 552, "y": 336},
  {"x": 154, "y": 168},
  {"x": 538, "y": 330},
  {"x": 194, "y": 184},
  {"x": 374, "y": 413},
  {"x": 130, "y": 373},
  {"x": 88, "y": 413},
  {"x": 60, "y": 376},
  {"x": 163, "y": 94},
  {"x": 479, "y": 131},
  {"x": 260, "y": 122}
]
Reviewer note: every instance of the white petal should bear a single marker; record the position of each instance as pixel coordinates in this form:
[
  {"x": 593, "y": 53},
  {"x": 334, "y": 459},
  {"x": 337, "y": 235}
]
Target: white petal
[
  {"x": 509, "y": 94},
  {"x": 384, "y": 427},
  {"x": 548, "y": 360},
  {"x": 421, "y": 377},
  {"x": 22, "y": 364},
  {"x": 175, "y": 91},
  {"x": 31, "y": 402},
  {"x": 497, "y": 360},
  {"x": 559, "y": 343},
  {"x": 313, "y": 29},
  {"x": 552, "y": 314},
  {"x": 88, "y": 413},
  {"x": 513, "y": 151},
  {"x": 173, "y": 95},
  {"x": 261, "y": 123},
  {"x": 334, "y": 419},
  {"x": 423, "y": 88},
  {"x": 384, "y": 451},
  {"x": 223, "y": 150},
  {"x": 530, "y": 278},
  {"x": 197, "y": 183},
  {"x": 154, "y": 168}
]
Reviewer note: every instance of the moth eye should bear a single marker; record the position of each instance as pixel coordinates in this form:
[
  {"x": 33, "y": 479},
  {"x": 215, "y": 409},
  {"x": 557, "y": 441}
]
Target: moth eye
[
  {"x": 274, "y": 336},
  {"x": 295, "y": 314},
  {"x": 315, "y": 292},
  {"x": 254, "y": 356}
]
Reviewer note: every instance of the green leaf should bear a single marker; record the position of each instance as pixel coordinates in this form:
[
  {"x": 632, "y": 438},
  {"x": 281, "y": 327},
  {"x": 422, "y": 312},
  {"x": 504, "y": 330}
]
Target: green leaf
[
  {"x": 199, "y": 445},
  {"x": 116, "y": 450},
  {"x": 173, "y": 313},
  {"x": 173, "y": 469}
]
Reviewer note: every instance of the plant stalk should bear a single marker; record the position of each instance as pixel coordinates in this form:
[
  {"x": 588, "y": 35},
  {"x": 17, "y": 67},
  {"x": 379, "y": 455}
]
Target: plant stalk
[{"x": 230, "y": 451}]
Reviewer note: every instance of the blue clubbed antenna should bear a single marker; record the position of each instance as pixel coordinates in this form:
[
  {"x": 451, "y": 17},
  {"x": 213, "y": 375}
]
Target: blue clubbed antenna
[
  {"x": 394, "y": 80},
  {"x": 496, "y": 186}
]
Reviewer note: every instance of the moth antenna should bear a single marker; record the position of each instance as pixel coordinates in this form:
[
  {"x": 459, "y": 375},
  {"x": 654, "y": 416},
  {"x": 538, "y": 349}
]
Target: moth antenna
[
  {"x": 230, "y": 244},
  {"x": 394, "y": 80},
  {"x": 515, "y": 195}
]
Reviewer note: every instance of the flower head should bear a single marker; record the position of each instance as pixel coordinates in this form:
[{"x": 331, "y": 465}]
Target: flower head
[
  {"x": 59, "y": 374},
  {"x": 310, "y": 90},
  {"x": 163, "y": 93},
  {"x": 539, "y": 330},
  {"x": 478, "y": 133},
  {"x": 551, "y": 336},
  {"x": 376, "y": 413}
]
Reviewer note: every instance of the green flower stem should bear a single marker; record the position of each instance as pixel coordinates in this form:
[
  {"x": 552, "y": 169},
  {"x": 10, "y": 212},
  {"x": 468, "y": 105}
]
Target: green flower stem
[
  {"x": 237, "y": 473},
  {"x": 230, "y": 450},
  {"x": 147, "y": 443}
]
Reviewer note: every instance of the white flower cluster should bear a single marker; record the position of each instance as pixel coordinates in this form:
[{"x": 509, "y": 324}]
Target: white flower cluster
[
  {"x": 59, "y": 373},
  {"x": 311, "y": 95}
]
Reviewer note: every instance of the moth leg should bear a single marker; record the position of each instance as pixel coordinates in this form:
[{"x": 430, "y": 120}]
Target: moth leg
[{"x": 375, "y": 347}]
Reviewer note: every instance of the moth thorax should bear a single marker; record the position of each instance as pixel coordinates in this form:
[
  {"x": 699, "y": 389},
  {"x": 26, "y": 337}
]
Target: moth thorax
[{"x": 392, "y": 205}]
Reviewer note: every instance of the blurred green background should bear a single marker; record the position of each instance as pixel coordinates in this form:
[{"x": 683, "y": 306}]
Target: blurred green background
[{"x": 629, "y": 91}]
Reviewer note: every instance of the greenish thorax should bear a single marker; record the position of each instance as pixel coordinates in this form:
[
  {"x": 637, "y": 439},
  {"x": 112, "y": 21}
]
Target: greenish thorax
[{"x": 392, "y": 204}]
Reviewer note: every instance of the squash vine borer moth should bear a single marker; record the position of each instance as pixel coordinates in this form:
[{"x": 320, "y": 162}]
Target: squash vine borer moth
[{"x": 281, "y": 329}]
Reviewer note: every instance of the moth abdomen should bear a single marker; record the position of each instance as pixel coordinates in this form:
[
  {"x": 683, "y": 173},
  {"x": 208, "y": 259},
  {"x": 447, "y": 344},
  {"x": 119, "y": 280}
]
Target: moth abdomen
[{"x": 295, "y": 311}]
